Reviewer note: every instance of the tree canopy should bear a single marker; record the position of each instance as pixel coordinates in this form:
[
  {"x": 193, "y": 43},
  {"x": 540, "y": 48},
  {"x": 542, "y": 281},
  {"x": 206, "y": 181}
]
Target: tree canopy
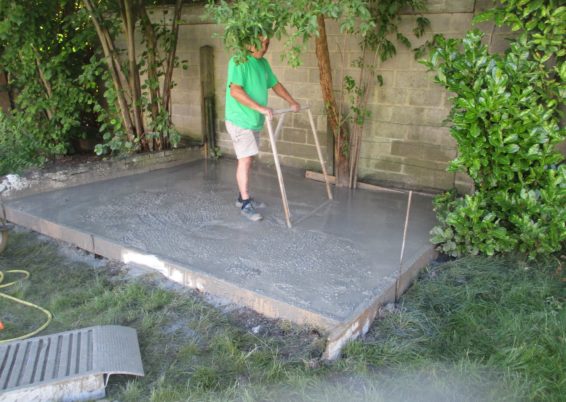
[{"x": 295, "y": 22}]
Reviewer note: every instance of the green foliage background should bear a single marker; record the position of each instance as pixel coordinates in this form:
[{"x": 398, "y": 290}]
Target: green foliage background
[
  {"x": 60, "y": 85},
  {"x": 41, "y": 41},
  {"x": 295, "y": 21}
]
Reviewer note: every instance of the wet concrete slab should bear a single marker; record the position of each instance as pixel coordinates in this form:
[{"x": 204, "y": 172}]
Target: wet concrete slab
[{"x": 332, "y": 269}]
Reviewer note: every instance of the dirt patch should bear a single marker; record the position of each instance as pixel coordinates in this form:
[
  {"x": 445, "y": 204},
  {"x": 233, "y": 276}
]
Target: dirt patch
[{"x": 69, "y": 161}]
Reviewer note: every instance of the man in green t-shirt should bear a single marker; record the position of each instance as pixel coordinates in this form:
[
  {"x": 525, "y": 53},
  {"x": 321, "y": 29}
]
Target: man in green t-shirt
[{"x": 246, "y": 109}]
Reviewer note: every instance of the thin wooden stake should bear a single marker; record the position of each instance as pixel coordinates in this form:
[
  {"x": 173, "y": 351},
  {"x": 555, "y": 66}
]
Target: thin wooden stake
[
  {"x": 397, "y": 283},
  {"x": 279, "y": 173},
  {"x": 319, "y": 152},
  {"x": 4, "y": 220}
]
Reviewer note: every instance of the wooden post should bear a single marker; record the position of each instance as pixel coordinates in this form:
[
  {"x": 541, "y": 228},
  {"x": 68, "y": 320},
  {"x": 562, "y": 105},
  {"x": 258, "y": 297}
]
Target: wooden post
[
  {"x": 208, "y": 108},
  {"x": 5, "y": 104}
]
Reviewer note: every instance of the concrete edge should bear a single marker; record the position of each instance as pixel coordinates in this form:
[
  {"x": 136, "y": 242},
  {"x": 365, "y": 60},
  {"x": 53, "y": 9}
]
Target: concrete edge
[
  {"x": 200, "y": 281},
  {"x": 360, "y": 320},
  {"x": 40, "y": 182}
]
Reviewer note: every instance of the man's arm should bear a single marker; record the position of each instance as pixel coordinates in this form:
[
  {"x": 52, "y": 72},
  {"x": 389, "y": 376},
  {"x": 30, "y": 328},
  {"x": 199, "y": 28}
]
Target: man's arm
[
  {"x": 238, "y": 93},
  {"x": 282, "y": 92}
]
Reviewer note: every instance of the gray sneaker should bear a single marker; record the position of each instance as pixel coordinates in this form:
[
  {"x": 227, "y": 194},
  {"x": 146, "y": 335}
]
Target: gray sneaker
[
  {"x": 255, "y": 204},
  {"x": 249, "y": 212}
]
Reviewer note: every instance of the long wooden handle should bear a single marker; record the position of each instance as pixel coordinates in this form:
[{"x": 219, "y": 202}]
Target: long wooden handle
[
  {"x": 320, "y": 158},
  {"x": 279, "y": 174},
  {"x": 283, "y": 111}
]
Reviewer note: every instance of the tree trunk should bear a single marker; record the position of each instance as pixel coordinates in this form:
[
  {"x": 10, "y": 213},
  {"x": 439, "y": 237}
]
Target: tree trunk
[
  {"x": 6, "y": 101},
  {"x": 11, "y": 95},
  {"x": 171, "y": 57},
  {"x": 134, "y": 76},
  {"x": 106, "y": 43},
  {"x": 366, "y": 83},
  {"x": 341, "y": 168},
  {"x": 46, "y": 86},
  {"x": 151, "y": 43},
  {"x": 153, "y": 78}
]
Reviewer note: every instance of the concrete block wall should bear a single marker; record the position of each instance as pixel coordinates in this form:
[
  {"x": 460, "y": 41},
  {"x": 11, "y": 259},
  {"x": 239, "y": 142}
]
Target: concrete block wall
[{"x": 406, "y": 142}]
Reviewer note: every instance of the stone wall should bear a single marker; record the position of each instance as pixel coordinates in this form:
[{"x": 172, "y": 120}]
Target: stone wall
[{"x": 405, "y": 142}]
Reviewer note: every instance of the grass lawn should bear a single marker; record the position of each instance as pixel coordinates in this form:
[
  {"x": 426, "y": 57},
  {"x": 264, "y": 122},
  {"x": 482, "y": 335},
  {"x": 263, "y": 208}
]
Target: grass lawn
[{"x": 473, "y": 329}]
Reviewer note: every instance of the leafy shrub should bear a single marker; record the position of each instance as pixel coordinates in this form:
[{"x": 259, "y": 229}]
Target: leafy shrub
[
  {"x": 19, "y": 148},
  {"x": 506, "y": 120},
  {"x": 95, "y": 78},
  {"x": 43, "y": 46},
  {"x": 61, "y": 85}
]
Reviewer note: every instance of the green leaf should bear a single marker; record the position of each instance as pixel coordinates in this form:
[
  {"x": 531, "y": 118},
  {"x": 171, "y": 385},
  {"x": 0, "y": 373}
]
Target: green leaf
[
  {"x": 441, "y": 77},
  {"x": 512, "y": 148}
]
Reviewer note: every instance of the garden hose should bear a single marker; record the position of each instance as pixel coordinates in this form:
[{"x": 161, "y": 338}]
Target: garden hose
[
  {"x": 4, "y": 227},
  {"x": 25, "y": 303}
]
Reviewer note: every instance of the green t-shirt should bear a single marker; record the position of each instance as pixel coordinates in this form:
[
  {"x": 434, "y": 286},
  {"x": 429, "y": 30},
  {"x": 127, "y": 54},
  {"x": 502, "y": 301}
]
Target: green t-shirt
[{"x": 256, "y": 77}]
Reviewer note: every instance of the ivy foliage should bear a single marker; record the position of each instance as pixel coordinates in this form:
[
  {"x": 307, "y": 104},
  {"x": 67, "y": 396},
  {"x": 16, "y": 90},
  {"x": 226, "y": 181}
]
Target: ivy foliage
[{"x": 505, "y": 118}]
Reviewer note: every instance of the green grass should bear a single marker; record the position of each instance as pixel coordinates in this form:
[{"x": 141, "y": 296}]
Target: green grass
[
  {"x": 474, "y": 329},
  {"x": 490, "y": 315}
]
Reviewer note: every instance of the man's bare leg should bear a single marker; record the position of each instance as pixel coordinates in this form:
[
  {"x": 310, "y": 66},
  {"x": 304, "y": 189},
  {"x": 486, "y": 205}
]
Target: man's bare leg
[{"x": 243, "y": 176}]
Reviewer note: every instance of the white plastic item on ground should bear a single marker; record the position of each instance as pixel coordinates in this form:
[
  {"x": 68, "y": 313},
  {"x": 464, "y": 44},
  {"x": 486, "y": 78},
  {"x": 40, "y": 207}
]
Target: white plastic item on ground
[
  {"x": 13, "y": 182},
  {"x": 68, "y": 366}
]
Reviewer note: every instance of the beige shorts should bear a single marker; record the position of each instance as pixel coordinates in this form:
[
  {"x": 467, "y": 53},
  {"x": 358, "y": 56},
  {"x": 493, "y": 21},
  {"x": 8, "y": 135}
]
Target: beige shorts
[{"x": 245, "y": 140}]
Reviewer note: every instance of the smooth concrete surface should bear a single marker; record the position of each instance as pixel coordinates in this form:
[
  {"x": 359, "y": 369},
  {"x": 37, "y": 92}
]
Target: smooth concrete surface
[{"x": 338, "y": 263}]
